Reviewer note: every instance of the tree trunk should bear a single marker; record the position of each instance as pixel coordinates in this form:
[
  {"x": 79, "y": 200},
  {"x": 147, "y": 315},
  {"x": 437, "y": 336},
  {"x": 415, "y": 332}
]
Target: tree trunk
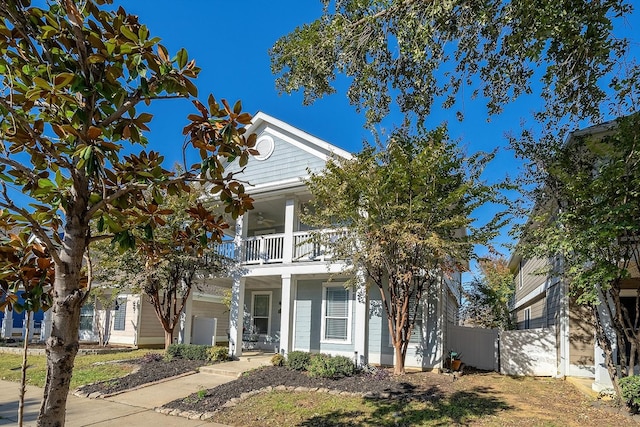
[
  {"x": 23, "y": 373},
  {"x": 62, "y": 344},
  {"x": 398, "y": 367},
  {"x": 168, "y": 338}
]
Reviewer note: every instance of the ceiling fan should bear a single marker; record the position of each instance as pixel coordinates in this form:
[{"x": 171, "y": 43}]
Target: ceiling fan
[{"x": 261, "y": 220}]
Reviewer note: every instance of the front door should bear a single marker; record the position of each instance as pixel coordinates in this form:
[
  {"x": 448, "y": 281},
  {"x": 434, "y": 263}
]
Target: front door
[{"x": 261, "y": 312}]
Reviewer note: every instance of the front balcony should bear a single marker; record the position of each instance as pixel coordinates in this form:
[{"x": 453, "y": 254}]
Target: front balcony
[{"x": 278, "y": 248}]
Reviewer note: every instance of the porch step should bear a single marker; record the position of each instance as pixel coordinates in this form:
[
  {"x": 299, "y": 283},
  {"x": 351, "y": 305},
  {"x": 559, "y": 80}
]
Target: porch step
[{"x": 237, "y": 367}]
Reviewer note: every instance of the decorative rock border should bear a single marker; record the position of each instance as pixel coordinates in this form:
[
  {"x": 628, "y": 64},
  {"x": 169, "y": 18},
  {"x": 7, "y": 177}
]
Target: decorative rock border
[{"x": 195, "y": 415}]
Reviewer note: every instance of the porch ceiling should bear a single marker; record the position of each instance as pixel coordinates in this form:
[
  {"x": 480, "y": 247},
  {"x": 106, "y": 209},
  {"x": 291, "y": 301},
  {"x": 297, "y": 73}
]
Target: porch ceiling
[{"x": 263, "y": 282}]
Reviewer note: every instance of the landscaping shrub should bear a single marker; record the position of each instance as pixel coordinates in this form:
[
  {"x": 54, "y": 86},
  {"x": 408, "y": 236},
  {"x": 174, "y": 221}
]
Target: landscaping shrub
[
  {"x": 188, "y": 351},
  {"x": 298, "y": 360},
  {"x": 151, "y": 357},
  {"x": 277, "y": 360},
  {"x": 218, "y": 353},
  {"x": 630, "y": 389},
  {"x": 331, "y": 367}
]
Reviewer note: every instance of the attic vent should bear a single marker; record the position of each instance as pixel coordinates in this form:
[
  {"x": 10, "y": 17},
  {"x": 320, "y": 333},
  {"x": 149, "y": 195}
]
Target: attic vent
[{"x": 265, "y": 147}]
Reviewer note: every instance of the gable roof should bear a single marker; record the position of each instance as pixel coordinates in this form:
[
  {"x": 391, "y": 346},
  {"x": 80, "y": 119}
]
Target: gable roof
[
  {"x": 296, "y": 136},
  {"x": 287, "y": 155}
]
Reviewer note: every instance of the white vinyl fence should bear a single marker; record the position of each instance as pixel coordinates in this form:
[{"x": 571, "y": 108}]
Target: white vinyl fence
[
  {"x": 528, "y": 352},
  {"x": 479, "y": 346},
  {"x": 524, "y": 352}
]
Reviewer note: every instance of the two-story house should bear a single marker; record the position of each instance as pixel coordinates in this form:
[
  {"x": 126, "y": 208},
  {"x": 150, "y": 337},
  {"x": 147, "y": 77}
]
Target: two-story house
[{"x": 288, "y": 293}]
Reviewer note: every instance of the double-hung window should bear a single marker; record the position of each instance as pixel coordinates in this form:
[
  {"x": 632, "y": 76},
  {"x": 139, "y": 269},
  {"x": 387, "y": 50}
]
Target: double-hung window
[{"x": 336, "y": 313}]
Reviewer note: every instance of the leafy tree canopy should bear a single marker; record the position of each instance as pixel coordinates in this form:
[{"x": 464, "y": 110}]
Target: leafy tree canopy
[
  {"x": 488, "y": 295},
  {"x": 421, "y": 52}
]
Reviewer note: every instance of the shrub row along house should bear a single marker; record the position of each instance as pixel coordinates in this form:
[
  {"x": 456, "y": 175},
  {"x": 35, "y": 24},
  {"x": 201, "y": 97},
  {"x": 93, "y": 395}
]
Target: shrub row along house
[{"x": 287, "y": 293}]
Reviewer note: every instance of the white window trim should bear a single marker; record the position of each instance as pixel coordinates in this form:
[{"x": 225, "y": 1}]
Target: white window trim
[
  {"x": 323, "y": 340},
  {"x": 527, "y": 318},
  {"x": 270, "y": 294}
]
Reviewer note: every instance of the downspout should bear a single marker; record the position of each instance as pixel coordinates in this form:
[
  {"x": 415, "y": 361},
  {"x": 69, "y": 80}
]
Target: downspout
[{"x": 136, "y": 337}]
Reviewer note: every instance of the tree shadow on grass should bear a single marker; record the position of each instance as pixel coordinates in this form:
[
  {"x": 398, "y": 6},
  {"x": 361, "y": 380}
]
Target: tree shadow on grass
[{"x": 430, "y": 407}]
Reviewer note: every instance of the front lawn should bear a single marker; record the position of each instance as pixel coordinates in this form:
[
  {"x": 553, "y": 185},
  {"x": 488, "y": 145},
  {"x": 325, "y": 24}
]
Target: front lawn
[
  {"x": 414, "y": 399},
  {"x": 87, "y": 369}
]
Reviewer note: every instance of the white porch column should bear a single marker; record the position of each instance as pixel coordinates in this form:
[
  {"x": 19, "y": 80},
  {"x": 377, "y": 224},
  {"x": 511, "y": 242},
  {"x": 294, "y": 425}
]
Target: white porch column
[
  {"x": 289, "y": 222},
  {"x": 286, "y": 314},
  {"x": 563, "y": 330},
  {"x": 7, "y": 323},
  {"x": 602, "y": 380},
  {"x": 236, "y": 317},
  {"x": 45, "y": 328},
  {"x": 186, "y": 320},
  {"x": 361, "y": 337}
]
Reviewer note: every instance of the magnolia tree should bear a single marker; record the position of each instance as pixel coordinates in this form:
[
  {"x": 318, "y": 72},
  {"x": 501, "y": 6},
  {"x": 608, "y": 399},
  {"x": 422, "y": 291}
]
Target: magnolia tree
[
  {"x": 26, "y": 277},
  {"x": 74, "y": 79},
  {"x": 407, "y": 213}
]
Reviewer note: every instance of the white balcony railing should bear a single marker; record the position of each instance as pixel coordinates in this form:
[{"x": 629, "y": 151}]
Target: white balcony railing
[
  {"x": 264, "y": 249},
  {"x": 269, "y": 248},
  {"x": 306, "y": 248}
]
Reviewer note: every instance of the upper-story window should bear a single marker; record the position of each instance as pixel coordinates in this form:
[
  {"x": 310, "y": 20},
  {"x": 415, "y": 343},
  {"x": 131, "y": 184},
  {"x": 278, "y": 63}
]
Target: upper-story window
[{"x": 520, "y": 274}]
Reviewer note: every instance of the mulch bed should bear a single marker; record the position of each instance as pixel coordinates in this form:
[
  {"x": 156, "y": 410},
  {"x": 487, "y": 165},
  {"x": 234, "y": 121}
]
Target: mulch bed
[
  {"x": 148, "y": 372},
  {"x": 381, "y": 384}
]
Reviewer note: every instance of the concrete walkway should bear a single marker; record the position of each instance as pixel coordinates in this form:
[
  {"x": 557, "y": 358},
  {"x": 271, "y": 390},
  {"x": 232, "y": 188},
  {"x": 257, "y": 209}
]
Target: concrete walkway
[{"x": 134, "y": 408}]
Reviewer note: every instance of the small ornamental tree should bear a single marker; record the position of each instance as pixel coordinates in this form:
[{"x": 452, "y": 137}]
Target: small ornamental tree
[
  {"x": 407, "y": 213},
  {"x": 72, "y": 141},
  {"x": 26, "y": 275},
  {"x": 487, "y": 296},
  {"x": 169, "y": 259}
]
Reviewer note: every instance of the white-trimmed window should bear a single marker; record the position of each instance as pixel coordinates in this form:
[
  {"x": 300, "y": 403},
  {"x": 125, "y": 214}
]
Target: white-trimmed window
[
  {"x": 336, "y": 313},
  {"x": 261, "y": 312},
  {"x": 86, "y": 317},
  {"x": 527, "y": 318},
  {"x": 119, "y": 314}
]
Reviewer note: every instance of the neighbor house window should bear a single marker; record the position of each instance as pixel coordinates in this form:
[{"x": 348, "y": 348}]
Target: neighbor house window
[
  {"x": 527, "y": 318},
  {"x": 336, "y": 314},
  {"x": 119, "y": 314},
  {"x": 520, "y": 275},
  {"x": 86, "y": 317}
]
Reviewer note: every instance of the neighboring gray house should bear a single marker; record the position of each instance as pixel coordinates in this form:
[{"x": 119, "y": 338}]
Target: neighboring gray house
[
  {"x": 282, "y": 296},
  {"x": 542, "y": 300}
]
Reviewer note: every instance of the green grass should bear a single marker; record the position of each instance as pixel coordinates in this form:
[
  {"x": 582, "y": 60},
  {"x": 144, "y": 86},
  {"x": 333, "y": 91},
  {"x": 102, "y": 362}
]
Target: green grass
[{"x": 87, "y": 368}]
